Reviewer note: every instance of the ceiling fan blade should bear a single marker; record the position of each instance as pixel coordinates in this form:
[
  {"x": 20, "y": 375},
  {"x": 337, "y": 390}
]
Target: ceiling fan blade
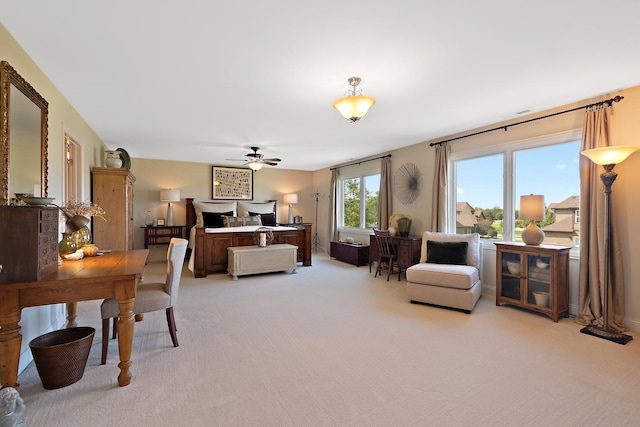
[
  {"x": 267, "y": 162},
  {"x": 236, "y": 160},
  {"x": 272, "y": 160}
]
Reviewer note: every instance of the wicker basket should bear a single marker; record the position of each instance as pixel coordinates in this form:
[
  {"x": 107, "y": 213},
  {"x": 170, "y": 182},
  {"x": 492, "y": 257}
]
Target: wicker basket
[{"x": 61, "y": 356}]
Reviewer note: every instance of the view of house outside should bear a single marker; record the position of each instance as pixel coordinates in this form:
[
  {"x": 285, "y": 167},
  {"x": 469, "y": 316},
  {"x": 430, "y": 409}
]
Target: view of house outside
[{"x": 550, "y": 170}]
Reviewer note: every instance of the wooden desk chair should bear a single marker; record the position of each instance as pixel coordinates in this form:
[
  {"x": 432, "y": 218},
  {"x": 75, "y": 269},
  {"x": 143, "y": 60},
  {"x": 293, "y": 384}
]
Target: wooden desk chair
[
  {"x": 150, "y": 296},
  {"x": 386, "y": 252}
]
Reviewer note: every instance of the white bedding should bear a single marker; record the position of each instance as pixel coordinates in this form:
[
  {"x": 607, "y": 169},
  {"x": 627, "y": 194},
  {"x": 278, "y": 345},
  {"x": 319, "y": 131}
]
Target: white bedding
[{"x": 245, "y": 229}]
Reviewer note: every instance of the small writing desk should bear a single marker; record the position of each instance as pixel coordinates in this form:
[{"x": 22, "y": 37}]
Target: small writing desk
[
  {"x": 407, "y": 250},
  {"x": 113, "y": 275}
]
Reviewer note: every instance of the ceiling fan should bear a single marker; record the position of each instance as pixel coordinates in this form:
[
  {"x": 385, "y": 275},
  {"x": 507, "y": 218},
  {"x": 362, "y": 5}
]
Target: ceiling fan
[{"x": 256, "y": 160}]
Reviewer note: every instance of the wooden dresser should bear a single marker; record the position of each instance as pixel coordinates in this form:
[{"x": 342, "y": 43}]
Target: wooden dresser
[
  {"x": 112, "y": 189},
  {"x": 29, "y": 248}
]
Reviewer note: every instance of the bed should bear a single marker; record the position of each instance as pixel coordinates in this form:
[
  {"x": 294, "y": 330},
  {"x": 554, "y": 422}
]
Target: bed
[{"x": 208, "y": 243}]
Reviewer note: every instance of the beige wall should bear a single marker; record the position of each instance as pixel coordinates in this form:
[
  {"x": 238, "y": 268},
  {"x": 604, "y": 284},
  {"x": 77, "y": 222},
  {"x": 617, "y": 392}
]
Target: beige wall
[{"x": 62, "y": 118}]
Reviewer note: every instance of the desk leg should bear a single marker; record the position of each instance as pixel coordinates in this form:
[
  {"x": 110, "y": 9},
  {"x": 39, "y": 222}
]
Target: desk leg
[
  {"x": 125, "y": 339},
  {"x": 72, "y": 310},
  {"x": 10, "y": 341}
]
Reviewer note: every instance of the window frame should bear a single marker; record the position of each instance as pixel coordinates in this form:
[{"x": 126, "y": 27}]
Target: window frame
[
  {"x": 508, "y": 151},
  {"x": 361, "y": 173}
]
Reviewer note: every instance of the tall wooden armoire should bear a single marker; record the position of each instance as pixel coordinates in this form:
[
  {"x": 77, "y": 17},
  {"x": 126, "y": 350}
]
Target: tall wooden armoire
[{"x": 113, "y": 190}]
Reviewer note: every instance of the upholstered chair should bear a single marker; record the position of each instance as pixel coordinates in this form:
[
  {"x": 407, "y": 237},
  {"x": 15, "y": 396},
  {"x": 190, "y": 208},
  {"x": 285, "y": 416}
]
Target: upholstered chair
[
  {"x": 449, "y": 271},
  {"x": 150, "y": 296}
]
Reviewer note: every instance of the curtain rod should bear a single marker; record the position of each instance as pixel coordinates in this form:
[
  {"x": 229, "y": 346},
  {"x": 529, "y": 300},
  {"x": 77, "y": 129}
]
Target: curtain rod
[
  {"x": 363, "y": 161},
  {"x": 608, "y": 101}
]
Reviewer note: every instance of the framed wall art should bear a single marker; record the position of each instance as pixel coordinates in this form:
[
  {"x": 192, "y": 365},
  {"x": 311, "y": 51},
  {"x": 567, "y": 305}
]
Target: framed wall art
[{"x": 231, "y": 183}]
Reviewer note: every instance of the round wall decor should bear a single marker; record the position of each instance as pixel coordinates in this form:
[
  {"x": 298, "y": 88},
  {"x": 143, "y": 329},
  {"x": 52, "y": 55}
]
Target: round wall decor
[{"x": 407, "y": 183}]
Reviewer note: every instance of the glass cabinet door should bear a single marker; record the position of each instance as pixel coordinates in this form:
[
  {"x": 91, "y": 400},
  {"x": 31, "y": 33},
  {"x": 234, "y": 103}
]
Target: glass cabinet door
[
  {"x": 510, "y": 275},
  {"x": 538, "y": 280}
]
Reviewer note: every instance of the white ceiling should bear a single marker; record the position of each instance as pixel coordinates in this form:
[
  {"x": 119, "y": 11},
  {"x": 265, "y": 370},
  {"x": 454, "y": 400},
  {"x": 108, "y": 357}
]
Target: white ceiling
[{"x": 202, "y": 81}]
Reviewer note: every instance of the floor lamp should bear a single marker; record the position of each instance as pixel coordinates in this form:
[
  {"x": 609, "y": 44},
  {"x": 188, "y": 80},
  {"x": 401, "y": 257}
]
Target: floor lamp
[
  {"x": 316, "y": 242},
  {"x": 608, "y": 157}
]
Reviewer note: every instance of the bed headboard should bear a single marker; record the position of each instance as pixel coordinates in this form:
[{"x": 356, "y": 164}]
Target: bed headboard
[{"x": 191, "y": 210}]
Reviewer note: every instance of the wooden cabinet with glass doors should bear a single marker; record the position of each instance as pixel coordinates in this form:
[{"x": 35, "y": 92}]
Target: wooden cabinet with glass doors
[{"x": 533, "y": 277}]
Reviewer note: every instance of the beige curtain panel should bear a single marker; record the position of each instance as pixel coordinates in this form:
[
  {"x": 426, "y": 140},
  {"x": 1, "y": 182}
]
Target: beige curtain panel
[
  {"x": 592, "y": 281},
  {"x": 384, "y": 196},
  {"x": 439, "y": 201}
]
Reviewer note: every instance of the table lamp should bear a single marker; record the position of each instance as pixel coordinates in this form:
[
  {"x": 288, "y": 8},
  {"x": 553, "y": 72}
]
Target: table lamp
[
  {"x": 169, "y": 196},
  {"x": 532, "y": 209},
  {"x": 290, "y": 199}
]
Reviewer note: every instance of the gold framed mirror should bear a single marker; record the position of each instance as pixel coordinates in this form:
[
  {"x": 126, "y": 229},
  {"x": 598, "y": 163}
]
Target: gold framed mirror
[{"x": 23, "y": 137}]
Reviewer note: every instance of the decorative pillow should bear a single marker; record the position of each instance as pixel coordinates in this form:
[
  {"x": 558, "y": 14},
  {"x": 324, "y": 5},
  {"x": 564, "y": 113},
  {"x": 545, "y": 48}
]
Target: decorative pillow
[
  {"x": 241, "y": 221},
  {"x": 245, "y": 207},
  {"x": 473, "y": 239},
  {"x": 447, "y": 252},
  {"x": 214, "y": 219},
  {"x": 212, "y": 207},
  {"x": 266, "y": 218}
]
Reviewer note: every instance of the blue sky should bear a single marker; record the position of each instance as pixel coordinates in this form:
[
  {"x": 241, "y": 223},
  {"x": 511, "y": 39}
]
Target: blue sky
[{"x": 551, "y": 171}]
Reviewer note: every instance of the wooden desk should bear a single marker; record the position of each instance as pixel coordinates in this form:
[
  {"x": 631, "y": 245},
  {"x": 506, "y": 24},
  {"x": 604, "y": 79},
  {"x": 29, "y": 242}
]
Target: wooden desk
[
  {"x": 407, "y": 250},
  {"x": 114, "y": 275}
]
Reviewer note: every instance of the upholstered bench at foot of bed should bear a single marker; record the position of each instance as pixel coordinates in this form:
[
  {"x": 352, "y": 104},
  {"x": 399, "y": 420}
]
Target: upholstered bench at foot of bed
[{"x": 245, "y": 260}]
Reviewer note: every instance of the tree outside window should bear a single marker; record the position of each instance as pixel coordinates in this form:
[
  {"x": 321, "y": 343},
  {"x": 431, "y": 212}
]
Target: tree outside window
[{"x": 360, "y": 201}]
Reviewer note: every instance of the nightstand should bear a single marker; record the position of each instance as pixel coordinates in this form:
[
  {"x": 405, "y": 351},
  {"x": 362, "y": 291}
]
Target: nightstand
[{"x": 162, "y": 235}]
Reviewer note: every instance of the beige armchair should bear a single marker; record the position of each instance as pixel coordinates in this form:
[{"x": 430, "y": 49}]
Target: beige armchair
[
  {"x": 449, "y": 272},
  {"x": 150, "y": 297}
]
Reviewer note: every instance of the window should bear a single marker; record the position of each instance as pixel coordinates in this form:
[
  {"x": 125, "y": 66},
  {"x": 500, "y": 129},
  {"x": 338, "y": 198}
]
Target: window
[
  {"x": 488, "y": 186},
  {"x": 359, "y": 205}
]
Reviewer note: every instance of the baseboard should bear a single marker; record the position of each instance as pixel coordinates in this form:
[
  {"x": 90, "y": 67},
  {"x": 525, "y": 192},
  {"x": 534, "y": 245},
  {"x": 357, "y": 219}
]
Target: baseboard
[{"x": 26, "y": 357}]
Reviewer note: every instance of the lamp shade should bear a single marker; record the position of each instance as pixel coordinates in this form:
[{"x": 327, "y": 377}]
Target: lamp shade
[
  {"x": 256, "y": 166},
  {"x": 354, "y": 107},
  {"x": 290, "y": 198},
  {"x": 170, "y": 195},
  {"x": 532, "y": 207},
  {"x": 611, "y": 155}
]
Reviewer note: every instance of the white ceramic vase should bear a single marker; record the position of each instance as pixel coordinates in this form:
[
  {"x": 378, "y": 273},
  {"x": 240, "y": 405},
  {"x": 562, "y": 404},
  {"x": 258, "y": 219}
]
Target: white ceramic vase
[{"x": 112, "y": 159}]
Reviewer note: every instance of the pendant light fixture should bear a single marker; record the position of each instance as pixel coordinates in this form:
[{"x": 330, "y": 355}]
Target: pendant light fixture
[{"x": 353, "y": 106}]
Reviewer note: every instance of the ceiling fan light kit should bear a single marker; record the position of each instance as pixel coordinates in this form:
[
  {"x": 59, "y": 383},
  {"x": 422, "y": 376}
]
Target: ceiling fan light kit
[
  {"x": 256, "y": 161},
  {"x": 353, "y": 106}
]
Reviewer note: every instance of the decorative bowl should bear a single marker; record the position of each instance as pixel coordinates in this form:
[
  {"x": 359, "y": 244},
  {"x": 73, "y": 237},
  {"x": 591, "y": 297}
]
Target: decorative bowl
[
  {"x": 542, "y": 298},
  {"x": 513, "y": 267},
  {"x": 541, "y": 264},
  {"x": 38, "y": 201}
]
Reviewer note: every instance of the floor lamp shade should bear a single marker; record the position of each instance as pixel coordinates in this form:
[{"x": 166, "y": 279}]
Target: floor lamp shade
[
  {"x": 169, "y": 196},
  {"x": 290, "y": 199},
  {"x": 608, "y": 157},
  {"x": 532, "y": 209}
]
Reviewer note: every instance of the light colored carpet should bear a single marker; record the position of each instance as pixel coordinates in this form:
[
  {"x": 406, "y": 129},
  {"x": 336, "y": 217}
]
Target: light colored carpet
[{"x": 332, "y": 346}]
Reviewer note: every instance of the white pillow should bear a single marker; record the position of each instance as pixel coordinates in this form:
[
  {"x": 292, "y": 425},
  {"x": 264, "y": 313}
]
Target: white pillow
[
  {"x": 212, "y": 207},
  {"x": 261, "y": 208}
]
